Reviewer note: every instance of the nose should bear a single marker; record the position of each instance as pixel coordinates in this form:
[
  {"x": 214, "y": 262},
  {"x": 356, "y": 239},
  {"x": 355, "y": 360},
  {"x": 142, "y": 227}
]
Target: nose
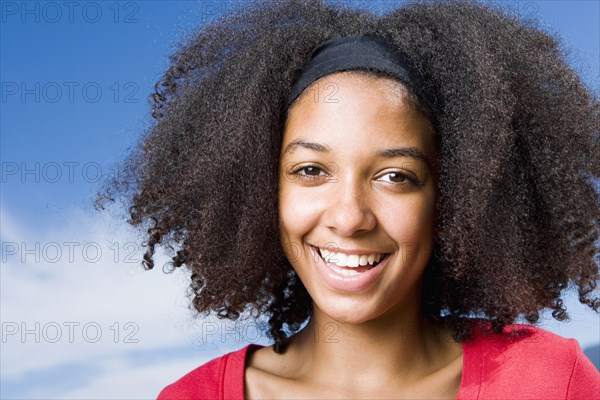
[{"x": 349, "y": 212}]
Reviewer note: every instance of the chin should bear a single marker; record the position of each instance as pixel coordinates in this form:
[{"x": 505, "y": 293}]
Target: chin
[{"x": 345, "y": 311}]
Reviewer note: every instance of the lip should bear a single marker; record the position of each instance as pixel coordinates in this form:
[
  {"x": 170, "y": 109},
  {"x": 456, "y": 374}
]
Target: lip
[
  {"x": 349, "y": 252},
  {"x": 354, "y": 283}
]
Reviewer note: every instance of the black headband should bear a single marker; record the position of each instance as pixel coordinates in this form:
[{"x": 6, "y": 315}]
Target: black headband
[{"x": 359, "y": 52}]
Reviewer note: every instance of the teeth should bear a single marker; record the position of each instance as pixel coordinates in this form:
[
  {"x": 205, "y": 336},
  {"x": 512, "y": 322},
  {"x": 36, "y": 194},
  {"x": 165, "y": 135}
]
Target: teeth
[
  {"x": 341, "y": 260},
  {"x": 345, "y": 272},
  {"x": 352, "y": 261}
]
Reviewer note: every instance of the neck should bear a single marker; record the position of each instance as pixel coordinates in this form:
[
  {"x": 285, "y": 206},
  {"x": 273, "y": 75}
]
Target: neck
[{"x": 398, "y": 346}]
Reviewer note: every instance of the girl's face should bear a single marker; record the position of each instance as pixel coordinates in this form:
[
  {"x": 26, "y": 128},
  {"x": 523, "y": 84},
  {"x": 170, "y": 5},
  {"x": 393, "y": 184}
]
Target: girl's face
[{"x": 356, "y": 178}]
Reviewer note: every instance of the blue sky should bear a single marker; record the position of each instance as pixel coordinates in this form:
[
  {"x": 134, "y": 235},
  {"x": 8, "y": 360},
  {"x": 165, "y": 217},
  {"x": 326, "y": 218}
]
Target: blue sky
[{"x": 75, "y": 78}]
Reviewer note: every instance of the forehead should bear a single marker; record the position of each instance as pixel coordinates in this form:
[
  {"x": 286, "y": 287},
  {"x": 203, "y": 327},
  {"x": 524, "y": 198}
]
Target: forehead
[
  {"x": 348, "y": 108},
  {"x": 346, "y": 85}
]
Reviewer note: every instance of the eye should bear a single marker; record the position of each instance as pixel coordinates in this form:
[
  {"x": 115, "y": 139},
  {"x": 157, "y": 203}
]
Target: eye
[
  {"x": 310, "y": 172},
  {"x": 400, "y": 178}
]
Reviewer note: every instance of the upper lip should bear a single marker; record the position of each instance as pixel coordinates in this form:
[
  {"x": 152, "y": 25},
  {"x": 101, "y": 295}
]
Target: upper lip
[{"x": 337, "y": 249}]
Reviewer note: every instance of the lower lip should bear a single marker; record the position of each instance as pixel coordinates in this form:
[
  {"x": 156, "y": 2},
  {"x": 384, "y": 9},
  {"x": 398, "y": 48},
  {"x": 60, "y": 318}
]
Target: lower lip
[{"x": 353, "y": 283}]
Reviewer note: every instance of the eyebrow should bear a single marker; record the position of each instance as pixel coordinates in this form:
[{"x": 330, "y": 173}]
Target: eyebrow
[
  {"x": 299, "y": 143},
  {"x": 384, "y": 153}
]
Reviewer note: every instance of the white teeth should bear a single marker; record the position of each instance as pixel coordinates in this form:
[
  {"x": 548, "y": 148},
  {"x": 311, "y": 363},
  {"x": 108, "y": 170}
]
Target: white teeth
[
  {"x": 362, "y": 260},
  {"x": 352, "y": 261},
  {"x": 345, "y": 272},
  {"x": 342, "y": 259}
]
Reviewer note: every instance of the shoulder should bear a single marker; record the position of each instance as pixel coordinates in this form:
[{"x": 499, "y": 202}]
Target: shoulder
[
  {"x": 533, "y": 362},
  {"x": 524, "y": 338},
  {"x": 203, "y": 382},
  {"x": 210, "y": 380}
]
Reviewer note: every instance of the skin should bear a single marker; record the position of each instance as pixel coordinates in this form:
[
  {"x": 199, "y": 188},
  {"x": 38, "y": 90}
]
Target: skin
[{"x": 372, "y": 342}]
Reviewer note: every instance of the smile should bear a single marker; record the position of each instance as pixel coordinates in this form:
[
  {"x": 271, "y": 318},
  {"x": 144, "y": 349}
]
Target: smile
[
  {"x": 349, "y": 272},
  {"x": 351, "y": 260}
]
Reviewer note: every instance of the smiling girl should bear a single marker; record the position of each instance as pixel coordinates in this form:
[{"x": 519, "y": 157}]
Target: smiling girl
[
  {"x": 416, "y": 182},
  {"x": 357, "y": 196}
]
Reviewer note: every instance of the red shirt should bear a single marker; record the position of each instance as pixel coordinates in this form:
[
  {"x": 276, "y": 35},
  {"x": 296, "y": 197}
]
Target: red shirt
[{"x": 537, "y": 365}]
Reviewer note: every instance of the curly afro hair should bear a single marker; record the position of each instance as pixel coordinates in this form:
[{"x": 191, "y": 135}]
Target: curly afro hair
[{"x": 518, "y": 140}]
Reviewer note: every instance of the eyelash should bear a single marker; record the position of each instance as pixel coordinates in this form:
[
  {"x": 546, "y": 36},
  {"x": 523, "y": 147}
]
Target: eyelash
[{"x": 409, "y": 180}]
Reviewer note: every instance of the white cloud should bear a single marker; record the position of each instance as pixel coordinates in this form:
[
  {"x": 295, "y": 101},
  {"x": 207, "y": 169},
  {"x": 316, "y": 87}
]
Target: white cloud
[
  {"x": 119, "y": 381},
  {"x": 113, "y": 376},
  {"x": 56, "y": 297}
]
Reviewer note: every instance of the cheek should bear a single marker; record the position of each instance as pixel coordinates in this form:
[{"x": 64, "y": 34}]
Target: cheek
[
  {"x": 297, "y": 217},
  {"x": 409, "y": 222},
  {"x": 297, "y": 214}
]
